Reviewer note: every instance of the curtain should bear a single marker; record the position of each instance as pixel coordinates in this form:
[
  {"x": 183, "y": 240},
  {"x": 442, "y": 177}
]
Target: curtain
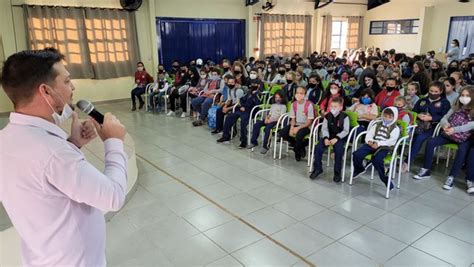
[
  {"x": 354, "y": 32},
  {"x": 112, "y": 40},
  {"x": 327, "y": 33},
  {"x": 462, "y": 28},
  {"x": 63, "y": 29},
  {"x": 285, "y": 35},
  {"x": 97, "y": 43}
]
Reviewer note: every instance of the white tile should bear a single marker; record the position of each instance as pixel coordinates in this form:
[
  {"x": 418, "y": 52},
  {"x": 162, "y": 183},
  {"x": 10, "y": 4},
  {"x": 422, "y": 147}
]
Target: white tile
[
  {"x": 233, "y": 235},
  {"x": 324, "y": 197},
  {"x": 270, "y": 193},
  {"x": 167, "y": 190},
  {"x": 399, "y": 228},
  {"x": 148, "y": 214},
  {"x": 185, "y": 202},
  {"x": 421, "y": 214},
  {"x": 244, "y": 183},
  {"x": 412, "y": 257},
  {"x": 373, "y": 244},
  {"x": 227, "y": 261},
  {"x": 196, "y": 250},
  {"x": 302, "y": 239},
  {"x": 298, "y": 207},
  {"x": 332, "y": 224},
  {"x": 446, "y": 248},
  {"x": 338, "y": 255},
  {"x": 441, "y": 202},
  {"x": 457, "y": 227},
  {"x": 358, "y": 211},
  {"x": 219, "y": 190},
  {"x": 207, "y": 217},
  {"x": 264, "y": 253},
  {"x": 151, "y": 258},
  {"x": 242, "y": 204},
  {"x": 467, "y": 213},
  {"x": 153, "y": 178},
  {"x": 269, "y": 220}
]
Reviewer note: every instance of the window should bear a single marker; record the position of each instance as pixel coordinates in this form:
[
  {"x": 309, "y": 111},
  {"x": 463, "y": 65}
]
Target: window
[
  {"x": 110, "y": 40},
  {"x": 339, "y": 34},
  {"x": 407, "y": 26}
]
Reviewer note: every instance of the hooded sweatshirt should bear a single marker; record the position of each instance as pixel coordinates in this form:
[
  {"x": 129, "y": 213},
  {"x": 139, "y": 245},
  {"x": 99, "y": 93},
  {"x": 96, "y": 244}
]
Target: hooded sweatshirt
[{"x": 385, "y": 136}]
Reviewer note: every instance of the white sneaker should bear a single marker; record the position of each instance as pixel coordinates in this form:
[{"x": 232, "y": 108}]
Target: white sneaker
[
  {"x": 422, "y": 174},
  {"x": 449, "y": 183},
  {"x": 470, "y": 187},
  {"x": 171, "y": 113},
  {"x": 183, "y": 115}
]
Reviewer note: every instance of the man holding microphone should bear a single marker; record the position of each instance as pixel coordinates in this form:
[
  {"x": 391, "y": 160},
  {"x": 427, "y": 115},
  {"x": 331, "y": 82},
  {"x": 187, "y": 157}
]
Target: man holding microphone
[{"x": 55, "y": 199}]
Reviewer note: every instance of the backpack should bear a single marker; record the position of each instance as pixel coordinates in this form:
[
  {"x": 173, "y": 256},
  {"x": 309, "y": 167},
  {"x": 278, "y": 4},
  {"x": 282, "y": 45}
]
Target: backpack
[
  {"x": 211, "y": 116},
  {"x": 458, "y": 118},
  {"x": 306, "y": 107}
]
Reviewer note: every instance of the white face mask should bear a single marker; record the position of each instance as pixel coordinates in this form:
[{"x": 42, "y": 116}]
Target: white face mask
[
  {"x": 465, "y": 100},
  {"x": 65, "y": 114},
  {"x": 299, "y": 97},
  {"x": 203, "y": 76},
  {"x": 253, "y": 76},
  {"x": 334, "y": 91},
  {"x": 334, "y": 112},
  {"x": 140, "y": 68}
]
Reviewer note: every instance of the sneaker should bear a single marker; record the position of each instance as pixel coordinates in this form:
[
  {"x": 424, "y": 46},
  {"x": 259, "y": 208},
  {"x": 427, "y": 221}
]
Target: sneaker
[
  {"x": 141, "y": 105},
  {"x": 215, "y": 132},
  {"x": 358, "y": 174},
  {"x": 134, "y": 108},
  {"x": 197, "y": 123},
  {"x": 242, "y": 145},
  {"x": 422, "y": 174},
  {"x": 252, "y": 146},
  {"x": 171, "y": 113},
  {"x": 264, "y": 151},
  {"x": 315, "y": 174},
  {"x": 223, "y": 140},
  {"x": 183, "y": 115},
  {"x": 470, "y": 187},
  {"x": 448, "y": 184},
  {"x": 337, "y": 178}
]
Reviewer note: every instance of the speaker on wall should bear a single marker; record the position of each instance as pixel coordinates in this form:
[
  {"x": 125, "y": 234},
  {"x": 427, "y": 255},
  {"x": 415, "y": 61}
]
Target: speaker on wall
[{"x": 131, "y": 5}]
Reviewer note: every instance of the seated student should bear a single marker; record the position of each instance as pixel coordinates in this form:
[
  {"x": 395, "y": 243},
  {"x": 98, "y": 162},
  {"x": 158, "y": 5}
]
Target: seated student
[
  {"x": 404, "y": 113},
  {"x": 458, "y": 125},
  {"x": 430, "y": 111},
  {"x": 290, "y": 86},
  {"x": 386, "y": 97},
  {"x": 244, "y": 107},
  {"x": 203, "y": 102},
  {"x": 314, "y": 89},
  {"x": 335, "y": 90},
  {"x": 366, "y": 109},
  {"x": 277, "y": 109},
  {"x": 470, "y": 170},
  {"x": 231, "y": 95},
  {"x": 459, "y": 81},
  {"x": 336, "y": 127},
  {"x": 253, "y": 76},
  {"x": 450, "y": 90},
  {"x": 381, "y": 81},
  {"x": 161, "y": 70},
  {"x": 380, "y": 139},
  {"x": 160, "y": 87},
  {"x": 178, "y": 89},
  {"x": 411, "y": 96},
  {"x": 280, "y": 77},
  {"x": 194, "y": 91},
  {"x": 270, "y": 74},
  {"x": 369, "y": 81},
  {"x": 352, "y": 85},
  {"x": 301, "y": 118},
  {"x": 142, "y": 78},
  {"x": 300, "y": 79}
]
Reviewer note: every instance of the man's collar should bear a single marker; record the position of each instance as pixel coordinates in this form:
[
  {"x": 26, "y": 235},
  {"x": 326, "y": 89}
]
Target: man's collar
[{"x": 22, "y": 119}]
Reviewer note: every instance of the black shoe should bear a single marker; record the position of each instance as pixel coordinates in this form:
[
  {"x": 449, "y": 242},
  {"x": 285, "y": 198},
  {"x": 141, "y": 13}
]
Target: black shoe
[
  {"x": 243, "y": 145},
  {"x": 298, "y": 157},
  {"x": 357, "y": 174},
  {"x": 215, "y": 132},
  {"x": 197, "y": 123},
  {"x": 303, "y": 155},
  {"x": 315, "y": 174},
  {"x": 141, "y": 105},
  {"x": 223, "y": 140},
  {"x": 134, "y": 108},
  {"x": 337, "y": 178}
]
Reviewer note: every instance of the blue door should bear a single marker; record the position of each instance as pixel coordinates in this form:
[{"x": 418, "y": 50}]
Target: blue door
[{"x": 187, "y": 39}]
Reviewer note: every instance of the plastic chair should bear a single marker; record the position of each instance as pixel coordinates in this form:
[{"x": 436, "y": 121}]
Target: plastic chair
[
  {"x": 449, "y": 147},
  {"x": 148, "y": 88}
]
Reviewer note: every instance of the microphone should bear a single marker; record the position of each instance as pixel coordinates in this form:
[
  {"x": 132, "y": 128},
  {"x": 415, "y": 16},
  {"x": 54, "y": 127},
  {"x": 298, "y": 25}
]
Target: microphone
[{"x": 90, "y": 110}]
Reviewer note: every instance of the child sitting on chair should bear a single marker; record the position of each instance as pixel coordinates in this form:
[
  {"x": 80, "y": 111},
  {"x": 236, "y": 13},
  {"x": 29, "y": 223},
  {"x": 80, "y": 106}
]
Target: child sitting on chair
[
  {"x": 160, "y": 87},
  {"x": 335, "y": 129},
  {"x": 301, "y": 118},
  {"x": 380, "y": 139},
  {"x": 276, "y": 110},
  {"x": 403, "y": 113}
]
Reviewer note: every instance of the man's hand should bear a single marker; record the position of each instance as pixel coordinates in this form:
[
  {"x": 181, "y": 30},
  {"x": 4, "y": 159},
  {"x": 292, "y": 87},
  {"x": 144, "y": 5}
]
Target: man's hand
[
  {"x": 111, "y": 128},
  {"x": 81, "y": 132},
  {"x": 242, "y": 109}
]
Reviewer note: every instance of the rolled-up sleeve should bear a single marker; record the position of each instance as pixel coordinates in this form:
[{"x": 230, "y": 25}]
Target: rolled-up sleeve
[{"x": 69, "y": 172}]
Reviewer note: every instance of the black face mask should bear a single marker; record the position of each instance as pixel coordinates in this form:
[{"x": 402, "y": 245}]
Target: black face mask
[
  {"x": 231, "y": 86},
  {"x": 226, "y": 69},
  {"x": 319, "y": 67},
  {"x": 161, "y": 71},
  {"x": 254, "y": 88},
  {"x": 288, "y": 81},
  {"x": 199, "y": 66},
  {"x": 175, "y": 67},
  {"x": 330, "y": 71},
  {"x": 312, "y": 85},
  {"x": 433, "y": 96},
  {"x": 390, "y": 89},
  {"x": 282, "y": 72},
  {"x": 237, "y": 72}
]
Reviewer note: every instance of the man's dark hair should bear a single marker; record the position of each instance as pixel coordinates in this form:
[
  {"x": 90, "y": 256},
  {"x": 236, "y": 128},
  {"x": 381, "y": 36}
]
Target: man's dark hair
[{"x": 24, "y": 71}]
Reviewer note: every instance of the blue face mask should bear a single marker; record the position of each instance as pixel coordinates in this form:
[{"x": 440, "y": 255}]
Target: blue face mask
[
  {"x": 386, "y": 122},
  {"x": 366, "y": 100}
]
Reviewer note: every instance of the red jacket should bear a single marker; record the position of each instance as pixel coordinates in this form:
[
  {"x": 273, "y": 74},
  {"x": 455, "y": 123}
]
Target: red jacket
[
  {"x": 143, "y": 78},
  {"x": 383, "y": 100}
]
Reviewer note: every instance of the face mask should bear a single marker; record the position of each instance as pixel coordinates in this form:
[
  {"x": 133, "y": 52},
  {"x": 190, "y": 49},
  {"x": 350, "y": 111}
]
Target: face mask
[
  {"x": 278, "y": 101},
  {"x": 65, "y": 114},
  {"x": 140, "y": 68},
  {"x": 390, "y": 89},
  {"x": 312, "y": 85},
  {"x": 352, "y": 84},
  {"x": 253, "y": 76},
  {"x": 334, "y": 91},
  {"x": 366, "y": 100},
  {"x": 465, "y": 100},
  {"x": 330, "y": 71},
  {"x": 237, "y": 72},
  {"x": 319, "y": 67},
  {"x": 203, "y": 76},
  {"x": 161, "y": 71},
  {"x": 299, "y": 97},
  {"x": 282, "y": 72},
  {"x": 231, "y": 86},
  {"x": 334, "y": 112},
  {"x": 226, "y": 69},
  {"x": 433, "y": 96},
  {"x": 199, "y": 66},
  {"x": 269, "y": 70},
  {"x": 288, "y": 81},
  {"x": 386, "y": 122},
  {"x": 400, "y": 109},
  {"x": 175, "y": 67}
]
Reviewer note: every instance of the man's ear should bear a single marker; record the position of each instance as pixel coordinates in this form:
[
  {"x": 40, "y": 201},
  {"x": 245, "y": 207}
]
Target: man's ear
[{"x": 43, "y": 89}]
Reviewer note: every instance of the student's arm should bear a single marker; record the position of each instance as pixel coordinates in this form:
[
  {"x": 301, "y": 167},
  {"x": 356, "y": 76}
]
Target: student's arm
[
  {"x": 345, "y": 131},
  {"x": 369, "y": 137},
  {"x": 464, "y": 128},
  {"x": 444, "y": 120},
  {"x": 393, "y": 138}
]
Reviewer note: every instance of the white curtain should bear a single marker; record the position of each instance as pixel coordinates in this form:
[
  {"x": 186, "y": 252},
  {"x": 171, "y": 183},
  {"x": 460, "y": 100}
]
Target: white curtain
[
  {"x": 326, "y": 34},
  {"x": 354, "y": 32},
  {"x": 285, "y": 35},
  {"x": 462, "y": 28}
]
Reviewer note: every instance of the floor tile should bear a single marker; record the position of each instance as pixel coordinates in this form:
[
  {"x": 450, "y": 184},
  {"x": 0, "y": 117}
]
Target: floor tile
[
  {"x": 270, "y": 193},
  {"x": 219, "y": 190},
  {"x": 421, "y": 214},
  {"x": 412, "y": 257},
  {"x": 186, "y": 202},
  {"x": 332, "y": 224},
  {"x": 153, "y": 178},
  {"x": 227, "y": 261},
  {"x": 324, "y": 197},
  {"x": 207, "y": 217},
  {"x": 446, "y": 248},
  {"x": 148, "y": 214},
  {"x": 373, "y": 244},
  {"x": 233, "y": 235},
  {"x": 151, "y": 258},
  {"x": 399, "y": 228},
  {"x": 338, "y": 255},
  {"x": 459, "y": 228},
  {"x": 167, "y": 190},
  {"x": 242, "y": 204},
  {"x": 264, "y": 253},
  {"x": 467, "y": 213},
  {"x": 358, "y": 211},
  {"x": 441, "y": 202},
  {"x": 298, "y": 207},
  {"x": 302, "y": 239},
  {"x": 269, "y": 220}
]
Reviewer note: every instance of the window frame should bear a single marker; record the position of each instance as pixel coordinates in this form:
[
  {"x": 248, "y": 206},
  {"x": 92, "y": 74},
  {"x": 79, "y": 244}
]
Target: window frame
[{"x": 384, "y": 28}]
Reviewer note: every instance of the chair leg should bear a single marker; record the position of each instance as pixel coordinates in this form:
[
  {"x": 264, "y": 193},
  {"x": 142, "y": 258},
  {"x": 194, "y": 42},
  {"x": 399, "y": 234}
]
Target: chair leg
[
  {"x": 447, "y": 159},
  {"x": 281, "y": 147},
  {"x": 372, "y": 175},
  {"x": 329, "y": 155}
]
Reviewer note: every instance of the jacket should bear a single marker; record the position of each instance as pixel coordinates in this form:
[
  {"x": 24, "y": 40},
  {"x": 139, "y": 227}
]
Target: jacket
[{"x": 384, "y": 136}]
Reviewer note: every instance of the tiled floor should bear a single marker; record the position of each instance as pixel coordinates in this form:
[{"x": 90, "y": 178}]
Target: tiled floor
[{"x": 167, "y": 224}]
